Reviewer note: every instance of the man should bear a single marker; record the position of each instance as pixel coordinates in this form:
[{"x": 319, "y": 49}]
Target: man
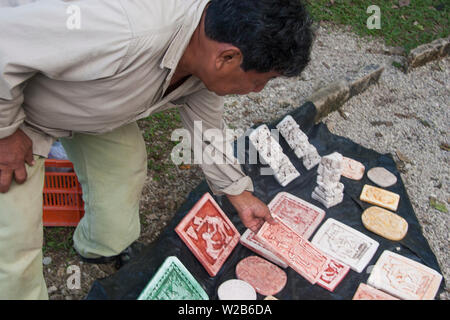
[{"x": 87, "y": 81}]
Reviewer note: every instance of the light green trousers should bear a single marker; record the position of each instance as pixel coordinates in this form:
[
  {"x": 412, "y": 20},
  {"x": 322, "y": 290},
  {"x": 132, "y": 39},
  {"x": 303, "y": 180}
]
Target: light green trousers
[
  {"x": 21, "y": 236},
  {"x": 111, "y": 168}
]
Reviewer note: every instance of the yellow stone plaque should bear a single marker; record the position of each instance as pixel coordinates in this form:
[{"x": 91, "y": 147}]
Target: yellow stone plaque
[{"x": 380, "y": 197}]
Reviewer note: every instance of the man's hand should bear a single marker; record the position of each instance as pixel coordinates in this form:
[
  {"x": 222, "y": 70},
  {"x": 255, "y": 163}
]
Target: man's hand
[
  {"x": 252, "y": 211},
  {"x": 15, "y": 150}
]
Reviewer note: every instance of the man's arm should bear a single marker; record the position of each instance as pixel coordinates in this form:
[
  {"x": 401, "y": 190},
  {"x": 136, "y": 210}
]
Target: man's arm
[{"x": 226, "y": 177}]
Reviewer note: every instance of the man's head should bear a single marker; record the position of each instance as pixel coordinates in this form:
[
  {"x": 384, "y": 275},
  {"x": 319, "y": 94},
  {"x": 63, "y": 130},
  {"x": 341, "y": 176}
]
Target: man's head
[{"x": 249, "y": 42}]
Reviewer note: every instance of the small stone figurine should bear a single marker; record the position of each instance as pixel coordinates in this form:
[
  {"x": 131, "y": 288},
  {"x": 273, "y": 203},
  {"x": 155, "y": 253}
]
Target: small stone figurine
[{"x": 329, "y": 191}]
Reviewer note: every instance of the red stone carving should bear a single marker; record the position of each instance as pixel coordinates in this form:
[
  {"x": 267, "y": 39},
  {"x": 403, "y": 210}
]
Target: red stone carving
[{"x": 208, "y": 233}]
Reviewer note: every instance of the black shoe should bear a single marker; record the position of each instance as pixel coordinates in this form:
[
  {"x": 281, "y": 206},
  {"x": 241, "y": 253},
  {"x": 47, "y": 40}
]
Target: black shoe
[
  {"x": 128, "y": 254},
  {"x": 121, "y": 259},
  {"x": 101, "y": 260}
]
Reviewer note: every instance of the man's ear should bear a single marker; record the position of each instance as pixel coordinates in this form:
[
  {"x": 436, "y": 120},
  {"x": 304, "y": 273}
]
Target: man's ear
[{"x": 229, "y": 58}]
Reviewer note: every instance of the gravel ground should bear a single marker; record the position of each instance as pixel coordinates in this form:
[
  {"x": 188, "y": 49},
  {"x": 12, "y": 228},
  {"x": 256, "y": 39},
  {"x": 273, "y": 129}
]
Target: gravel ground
[
  {"x": 407, "y": 115},
  {"x": 412, "y": 115}
]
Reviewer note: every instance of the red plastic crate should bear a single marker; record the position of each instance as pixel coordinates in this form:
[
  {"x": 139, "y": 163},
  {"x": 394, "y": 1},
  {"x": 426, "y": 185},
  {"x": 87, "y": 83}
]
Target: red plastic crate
[{"x": 63, "y": 203}]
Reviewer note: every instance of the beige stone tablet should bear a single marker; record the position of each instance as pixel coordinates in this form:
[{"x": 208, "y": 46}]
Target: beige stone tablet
[
  {"x": 382, "y": 177},
  {"x": 385, "y": 223},
  {"x": 380, "y": 197}
]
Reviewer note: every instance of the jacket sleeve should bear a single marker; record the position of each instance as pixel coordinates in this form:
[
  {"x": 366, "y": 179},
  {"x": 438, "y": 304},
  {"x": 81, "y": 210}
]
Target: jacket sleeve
[
  {"x": 201, "y": 115},
  {"x": 83, "y": 42}
]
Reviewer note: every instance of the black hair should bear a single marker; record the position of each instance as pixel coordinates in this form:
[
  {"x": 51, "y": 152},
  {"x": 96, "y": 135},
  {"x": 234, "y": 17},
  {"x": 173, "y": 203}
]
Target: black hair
[{"x": 273, "y": 35}]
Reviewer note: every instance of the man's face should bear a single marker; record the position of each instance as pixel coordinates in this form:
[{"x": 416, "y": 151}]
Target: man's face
[{"x": 237, "y": 81}]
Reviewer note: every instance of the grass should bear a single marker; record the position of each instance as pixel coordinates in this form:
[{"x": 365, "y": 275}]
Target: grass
[
  {"x": 399, "y": 65},
  {"x": 157, "y": 133},
  {"x": 58, "y": 238},
  {"x": 408, "y": 26}
]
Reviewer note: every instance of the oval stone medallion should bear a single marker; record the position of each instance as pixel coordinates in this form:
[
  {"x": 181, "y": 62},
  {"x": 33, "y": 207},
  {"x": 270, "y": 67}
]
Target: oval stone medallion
[
  {"x": 265, "y": 277},
  {"x": 385, "y": 223}
]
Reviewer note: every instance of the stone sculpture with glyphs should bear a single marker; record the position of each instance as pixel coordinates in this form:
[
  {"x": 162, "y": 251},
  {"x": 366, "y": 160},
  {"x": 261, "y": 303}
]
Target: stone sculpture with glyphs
[
  {"x": 272, "y": 154},
  {"x": 298, "y": 141}
]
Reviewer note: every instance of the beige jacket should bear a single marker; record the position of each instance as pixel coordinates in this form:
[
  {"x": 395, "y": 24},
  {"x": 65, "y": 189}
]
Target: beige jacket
[{"x": 56, "y": 78}]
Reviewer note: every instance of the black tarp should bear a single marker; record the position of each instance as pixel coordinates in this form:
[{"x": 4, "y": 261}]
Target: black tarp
[{"x": 131, "y": 279}]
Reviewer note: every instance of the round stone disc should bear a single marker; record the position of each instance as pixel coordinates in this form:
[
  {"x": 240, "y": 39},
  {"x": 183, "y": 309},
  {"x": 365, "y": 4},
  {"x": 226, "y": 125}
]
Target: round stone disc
[
  {"x": 265, "y": 277},
  {"x": 235, "y": 289},
  {"x": 352, "y": 169},
  {"x": 382, "y": 177},
  {"x": 385, "y": 223}
]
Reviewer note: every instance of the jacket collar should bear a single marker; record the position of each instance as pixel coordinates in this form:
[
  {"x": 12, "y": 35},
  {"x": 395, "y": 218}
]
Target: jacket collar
[{"x": 183, "y": 36}]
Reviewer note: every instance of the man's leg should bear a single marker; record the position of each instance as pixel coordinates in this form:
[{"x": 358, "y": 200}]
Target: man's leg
[
  {"x": 111, "y": 168},
  {"x": 21, "y": 236}
]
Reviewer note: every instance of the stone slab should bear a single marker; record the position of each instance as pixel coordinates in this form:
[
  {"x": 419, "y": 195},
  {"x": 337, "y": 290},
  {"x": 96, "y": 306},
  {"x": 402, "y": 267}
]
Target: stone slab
[
  {"x": 404, "y": 278},
  {"x": 382, "y": 177},
  {"x": 173, "y": 281},
  {"x": 352, "y": 169},
  {"x": 385, "y": 223},
  {"x": 208, "y": 233},
  {"x": 236, "y": 289},
  {"x": 300, "y": 215},
  {"x": 366, "y": 292},
  {"x": 265, "y": 277},
  {"x": 299, "y": 253},
  {"x": 380, "y": 197},
  {"x": 345, "y": 244},
  {"x": 249, "y": 240}
]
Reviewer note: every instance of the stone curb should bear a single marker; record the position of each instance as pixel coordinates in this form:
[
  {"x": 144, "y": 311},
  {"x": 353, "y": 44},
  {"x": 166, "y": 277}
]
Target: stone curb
[
  {"x": 425, "y": 53},
  {"x": 333, "y": 96}
]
